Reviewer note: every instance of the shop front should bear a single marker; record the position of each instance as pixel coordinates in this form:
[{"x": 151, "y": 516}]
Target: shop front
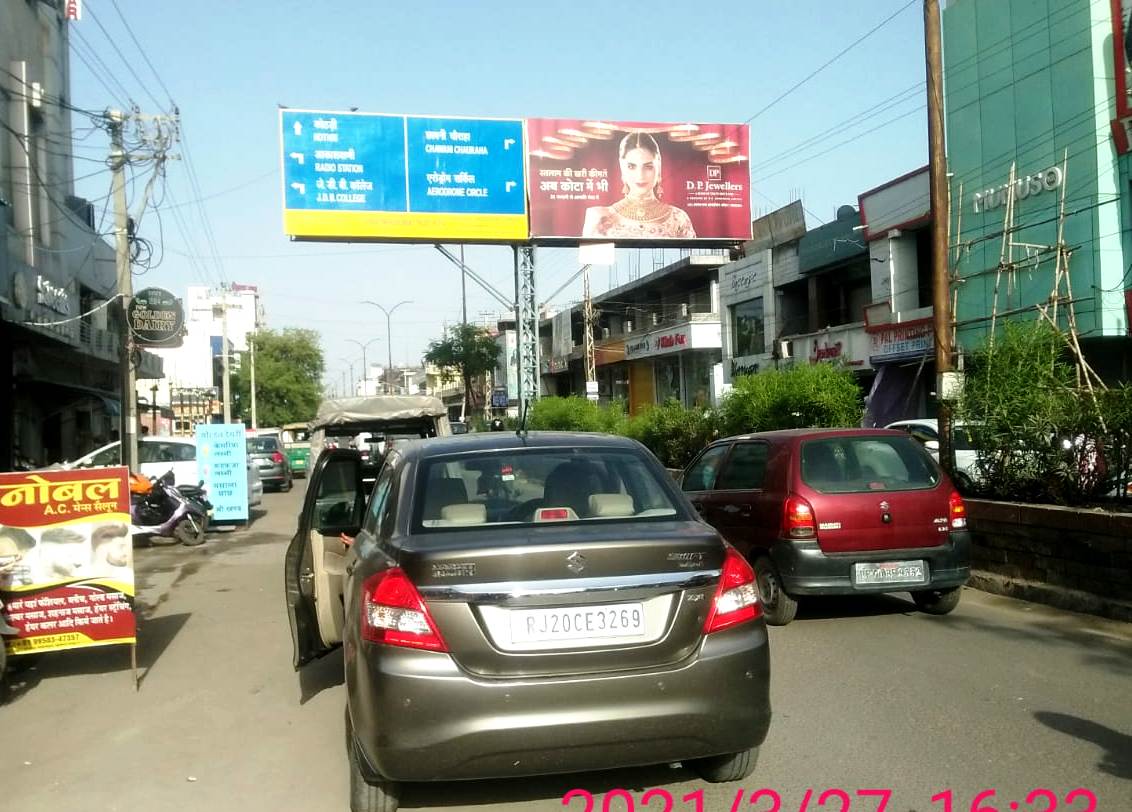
[
  {"x": 903, "y": 355},
  {"x": 673, "y": 363}
]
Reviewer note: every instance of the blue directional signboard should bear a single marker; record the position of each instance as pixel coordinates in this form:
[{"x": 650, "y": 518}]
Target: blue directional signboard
[
  {"x": 222, "y": 462},
  {"x": 426, "y": 179}
]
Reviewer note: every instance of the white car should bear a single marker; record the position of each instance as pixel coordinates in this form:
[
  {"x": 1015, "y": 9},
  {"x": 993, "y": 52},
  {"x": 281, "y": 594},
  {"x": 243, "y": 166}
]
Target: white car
[
  {"x": 926, "y": 430},
  {"x": 156, "y": 455}
]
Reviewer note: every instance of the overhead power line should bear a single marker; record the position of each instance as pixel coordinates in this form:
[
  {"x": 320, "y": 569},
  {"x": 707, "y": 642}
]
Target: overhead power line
[{"x": 834, "y": 58}]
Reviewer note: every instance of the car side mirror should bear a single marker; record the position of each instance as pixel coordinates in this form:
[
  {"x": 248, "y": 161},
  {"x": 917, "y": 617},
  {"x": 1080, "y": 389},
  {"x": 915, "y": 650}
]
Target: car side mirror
[{"x": 931, "y": 445}]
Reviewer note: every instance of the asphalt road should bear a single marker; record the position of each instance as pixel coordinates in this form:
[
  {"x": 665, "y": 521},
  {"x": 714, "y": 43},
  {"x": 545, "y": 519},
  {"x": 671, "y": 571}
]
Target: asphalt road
[{"x": 868, "y": 695}]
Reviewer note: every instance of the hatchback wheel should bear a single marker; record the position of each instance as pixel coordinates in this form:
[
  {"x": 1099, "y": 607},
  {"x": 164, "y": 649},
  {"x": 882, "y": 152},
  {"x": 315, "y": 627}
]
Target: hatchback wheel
[
  {"x": 383, "y": 796},
  {"x": 732, "y": 767},
  {"x": 937, "y": 601},
  {"x": 778, "y": 607}
]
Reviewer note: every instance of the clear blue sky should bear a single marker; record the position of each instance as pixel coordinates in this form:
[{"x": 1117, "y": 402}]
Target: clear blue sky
[{"x": 229, "y": 64}]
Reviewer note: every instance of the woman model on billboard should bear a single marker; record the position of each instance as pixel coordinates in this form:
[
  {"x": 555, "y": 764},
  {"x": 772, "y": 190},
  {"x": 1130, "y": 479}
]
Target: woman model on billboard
[{"x": 640, "y": 214}]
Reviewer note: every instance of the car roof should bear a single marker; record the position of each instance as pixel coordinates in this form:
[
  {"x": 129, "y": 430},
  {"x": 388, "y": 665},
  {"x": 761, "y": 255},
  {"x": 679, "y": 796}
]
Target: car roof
[
  {"x": 509, "y": 440},
  {"x": 815, "y": 433}
]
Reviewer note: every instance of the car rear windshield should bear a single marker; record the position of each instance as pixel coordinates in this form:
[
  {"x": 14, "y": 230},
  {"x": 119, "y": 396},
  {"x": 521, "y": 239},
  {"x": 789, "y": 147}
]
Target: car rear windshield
[
  {"x": 538, "y": 486},
  {"x": 262, "y": 445},
  {"x": 864, "y": 464}
]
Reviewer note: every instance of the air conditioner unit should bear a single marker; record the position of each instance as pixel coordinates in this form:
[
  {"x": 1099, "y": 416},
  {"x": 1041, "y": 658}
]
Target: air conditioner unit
[{"x": 785, "y": 349}]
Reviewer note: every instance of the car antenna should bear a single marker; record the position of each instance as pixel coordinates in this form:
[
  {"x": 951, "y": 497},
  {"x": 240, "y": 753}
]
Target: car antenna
[{"x": 522, "y": 430}]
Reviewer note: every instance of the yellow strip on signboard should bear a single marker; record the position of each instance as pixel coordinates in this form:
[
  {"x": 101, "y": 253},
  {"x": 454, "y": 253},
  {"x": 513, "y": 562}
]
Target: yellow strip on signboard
[{"x": 405, "y": 225}]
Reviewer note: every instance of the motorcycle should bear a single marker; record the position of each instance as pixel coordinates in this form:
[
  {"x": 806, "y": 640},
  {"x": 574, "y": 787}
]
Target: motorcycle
[{"x": 164, "y": 510}]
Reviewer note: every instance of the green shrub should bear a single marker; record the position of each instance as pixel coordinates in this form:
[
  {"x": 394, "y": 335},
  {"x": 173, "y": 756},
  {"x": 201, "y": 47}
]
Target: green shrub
[
  {"x": 800, "y": 396},
  {"x": 674, "y": 433},
  {"x": 575, "y": 414},
  {"x": 1041, "y": 437}
]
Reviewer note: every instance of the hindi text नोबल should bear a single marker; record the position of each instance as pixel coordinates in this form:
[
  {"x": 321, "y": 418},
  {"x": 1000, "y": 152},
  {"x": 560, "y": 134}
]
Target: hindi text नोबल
[{"x": 39, "y": 491}]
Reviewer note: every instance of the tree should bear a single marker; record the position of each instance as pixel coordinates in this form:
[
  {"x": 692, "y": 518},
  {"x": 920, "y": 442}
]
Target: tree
[
  {"x": 470, "y": 350},
  {"x": 288, "y": 374}
]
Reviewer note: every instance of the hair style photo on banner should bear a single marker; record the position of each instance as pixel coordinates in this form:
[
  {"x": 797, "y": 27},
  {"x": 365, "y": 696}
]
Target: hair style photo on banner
[{"x": 635, "y": 182}]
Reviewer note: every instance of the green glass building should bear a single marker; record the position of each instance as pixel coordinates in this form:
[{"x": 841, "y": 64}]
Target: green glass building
[{"x": 1034, "y": 106}]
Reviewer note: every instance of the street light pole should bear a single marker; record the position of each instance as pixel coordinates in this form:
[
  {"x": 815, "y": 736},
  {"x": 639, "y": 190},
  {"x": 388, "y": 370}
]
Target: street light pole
[
  {"x": 365, "y": 364},
  {"x": 389, "y": 339}
]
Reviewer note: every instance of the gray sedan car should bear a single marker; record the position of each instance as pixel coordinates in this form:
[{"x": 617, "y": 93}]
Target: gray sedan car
[{"x": 514, "y": 605}]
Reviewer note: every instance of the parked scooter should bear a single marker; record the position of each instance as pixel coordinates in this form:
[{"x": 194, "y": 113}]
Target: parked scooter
[{"x": 164, "y": 510}]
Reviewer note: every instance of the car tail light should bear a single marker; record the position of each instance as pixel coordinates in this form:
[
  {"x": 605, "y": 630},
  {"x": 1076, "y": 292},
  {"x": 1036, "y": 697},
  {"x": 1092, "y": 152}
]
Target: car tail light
[
  {"x": 957, "y": 511},
  {"x": 798, "y": 519},
  {"x": 394, "y": 614},
  {"x": 276, "y": 457},
  {"x": 736, "y": 599}
]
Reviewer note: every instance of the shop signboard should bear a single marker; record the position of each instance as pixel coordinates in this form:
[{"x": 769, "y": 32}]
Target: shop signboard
[
  {"x": 156, "y": 318},
  {"x": 222, "y": 461},
  {"x": 66, "y": 559},
  {"x": 349, "y": 175},
  {"x": 686, "y": 336},
  {"x": 637, "y": 182},
  {"x": 899, "y": 342}
]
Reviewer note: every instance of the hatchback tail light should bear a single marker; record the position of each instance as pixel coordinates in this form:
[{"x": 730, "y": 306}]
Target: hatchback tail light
[
  {"x": 394, "y": 614},
  {"x": 957, "y": 511},
  {"x": 798, "y": 519},
  {"x": 736, "y": 600},
  {"x": 276, "y": 457}
]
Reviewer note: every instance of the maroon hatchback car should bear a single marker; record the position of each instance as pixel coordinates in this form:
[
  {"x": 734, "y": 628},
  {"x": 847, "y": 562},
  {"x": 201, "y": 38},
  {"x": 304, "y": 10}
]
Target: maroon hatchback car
[{"x": 835, "y": 512}]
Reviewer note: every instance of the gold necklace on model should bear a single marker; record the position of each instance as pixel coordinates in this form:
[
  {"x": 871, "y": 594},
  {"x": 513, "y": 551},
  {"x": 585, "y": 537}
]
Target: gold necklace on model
[{"x": 632, "y": 209}]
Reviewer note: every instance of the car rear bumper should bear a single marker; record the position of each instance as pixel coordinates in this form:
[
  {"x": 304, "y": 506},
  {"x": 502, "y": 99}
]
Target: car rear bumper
[
  {"x": 275, "y": 475},
  {"x": 806, "y": 570},
  {"x": 417, "y": 716}
]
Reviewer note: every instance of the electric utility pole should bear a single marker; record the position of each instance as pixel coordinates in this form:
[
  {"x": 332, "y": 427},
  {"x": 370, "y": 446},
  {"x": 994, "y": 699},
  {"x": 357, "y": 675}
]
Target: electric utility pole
[
  {"x": 128, "y": 436},
  {"x": 941, "y": 219},
  {"x": 226, "y": 385}
]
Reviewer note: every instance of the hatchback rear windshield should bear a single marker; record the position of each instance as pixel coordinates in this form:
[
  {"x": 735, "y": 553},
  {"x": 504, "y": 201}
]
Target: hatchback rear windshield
[
  {"x": 538, "y": 486},
  {"x": 864, "y": 464},
  {"x": 262, "y": 445}
]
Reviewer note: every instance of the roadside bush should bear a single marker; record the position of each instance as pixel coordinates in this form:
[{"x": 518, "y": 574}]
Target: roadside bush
[
  {"x": 576, "y": 414},
  {"x": 673, "y": 433},
  {"x": 801, "y": 396},
  {"x": 1041, "y": 437}
]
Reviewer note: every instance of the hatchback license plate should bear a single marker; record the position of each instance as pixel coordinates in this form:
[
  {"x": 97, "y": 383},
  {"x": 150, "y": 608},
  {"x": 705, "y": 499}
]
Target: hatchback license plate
[
  {"x": 890, "y": 572},
  {"x": 577, "y": 623}
]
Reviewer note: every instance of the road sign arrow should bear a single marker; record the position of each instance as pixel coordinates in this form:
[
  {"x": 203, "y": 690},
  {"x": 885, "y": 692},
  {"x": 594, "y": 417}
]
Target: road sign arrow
[
  {"x": 507, "y": 142},
  {"x": 298, "y": 128},
  {"x": 298, "y": 156},
  {"x": 510, "y": 185},
  {"x": 301, "y": 188}
]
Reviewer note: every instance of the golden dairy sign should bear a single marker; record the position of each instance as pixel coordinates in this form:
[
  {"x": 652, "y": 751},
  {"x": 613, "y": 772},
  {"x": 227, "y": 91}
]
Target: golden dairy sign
[
  {"x": 1023, "y": 187},
  {"x": 156, "y": 318}
]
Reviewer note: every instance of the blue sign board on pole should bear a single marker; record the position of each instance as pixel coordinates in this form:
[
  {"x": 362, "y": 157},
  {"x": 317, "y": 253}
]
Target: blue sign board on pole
[
  {"x": 222, "y": 462},
  {"x": 364, "y": 175}
]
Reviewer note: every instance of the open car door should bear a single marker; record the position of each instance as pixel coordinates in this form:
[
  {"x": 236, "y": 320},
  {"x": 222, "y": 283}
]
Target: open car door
[{"x": 315, "y": 564}]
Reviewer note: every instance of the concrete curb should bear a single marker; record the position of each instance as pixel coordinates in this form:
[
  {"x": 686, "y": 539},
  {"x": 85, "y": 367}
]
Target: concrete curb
[{"x": 1073, "y": 600}]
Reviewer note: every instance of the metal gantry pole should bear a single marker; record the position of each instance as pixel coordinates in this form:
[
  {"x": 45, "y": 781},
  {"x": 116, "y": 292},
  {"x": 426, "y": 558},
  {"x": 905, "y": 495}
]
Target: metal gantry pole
[{"x": 526, "y": 325}]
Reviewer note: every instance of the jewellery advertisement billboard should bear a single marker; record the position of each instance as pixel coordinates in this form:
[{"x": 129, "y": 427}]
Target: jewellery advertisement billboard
[{"x": 638, "y": 182}]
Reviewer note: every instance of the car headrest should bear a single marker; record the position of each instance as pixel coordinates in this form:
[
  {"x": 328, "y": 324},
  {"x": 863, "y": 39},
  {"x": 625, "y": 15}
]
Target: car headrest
[
  {"x": 461, "y": 515},
  {"x": 609, "y": 505}
]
